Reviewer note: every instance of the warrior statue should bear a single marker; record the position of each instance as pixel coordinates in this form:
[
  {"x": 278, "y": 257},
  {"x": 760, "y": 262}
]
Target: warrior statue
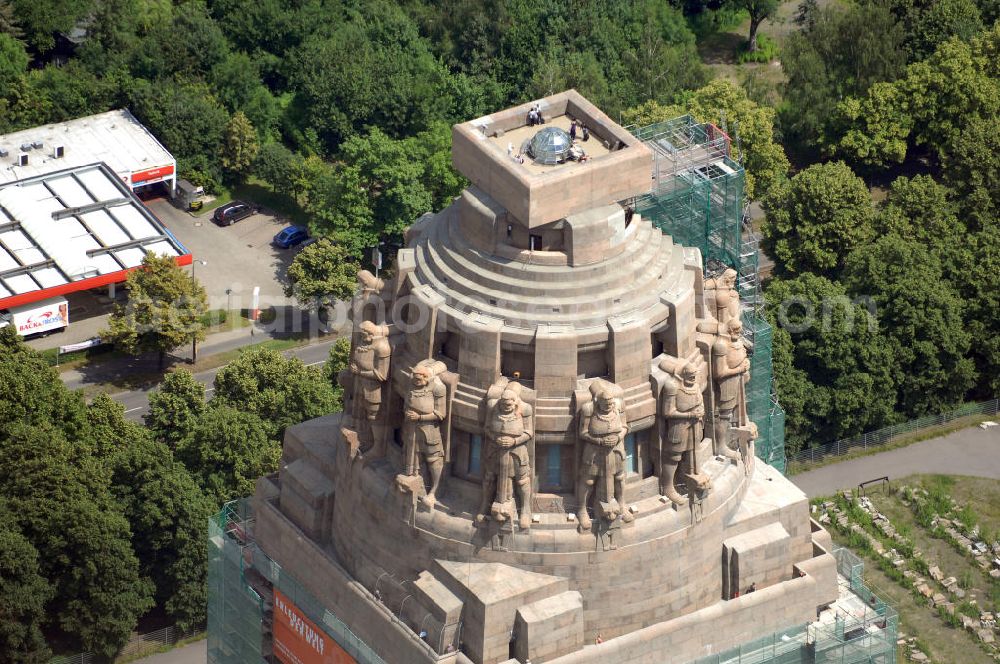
[
  {"x": 602, "y": 429},
  {"x": 424, "y": 411},
  {"x": 730, "y": 372},
  {"x": 684, "y": 412},
  {"x": 507, "y": 466},
  {"x": 370, "y": 368},
  {"x": 727, "y": 299}
]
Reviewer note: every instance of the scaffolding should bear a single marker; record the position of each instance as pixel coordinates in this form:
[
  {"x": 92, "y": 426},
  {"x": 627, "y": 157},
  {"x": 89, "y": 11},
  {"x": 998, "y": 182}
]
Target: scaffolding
[
  {"x": 241, "y": 585},
  {"x": 697, "y": 198},
  {"x": 859, "y": 628}
]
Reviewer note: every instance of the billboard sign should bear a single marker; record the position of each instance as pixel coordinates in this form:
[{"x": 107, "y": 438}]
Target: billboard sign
[
  {"x": 151, "y": 175},
  {"x": 43, "y": 316},
  {"x": 297, "y": 640}
]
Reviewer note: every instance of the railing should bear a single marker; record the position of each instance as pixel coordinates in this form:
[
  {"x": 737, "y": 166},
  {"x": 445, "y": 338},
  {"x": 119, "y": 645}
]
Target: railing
[
  {"x": 139, "y": 644},
  {"x": 882, "y": 437}
]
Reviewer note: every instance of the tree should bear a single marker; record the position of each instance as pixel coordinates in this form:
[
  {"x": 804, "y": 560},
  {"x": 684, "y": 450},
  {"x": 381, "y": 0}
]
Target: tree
[
  {"x": 13, "y": 62},
  {"x": 816, "y": 218},
  {"x": 31, "y": 392},
  {"x": 971, "y": 277},
  {"x": 228, "y": 450},
  {"x": 174, "y": 408},
  {"x": 188, "y": 119},
  {"x": 922, "y": 315},
  {"x": 165, "y": 509},
  {"x": 167, "y": 513},
  {"x": 971, "y": 167},
  {"x": 240, "y": 148},
  {"x": 281, "y": 391},
  {"x": 924, "y": 211},
  {"x": 831, "y": 362},
  {"x": 337, "y": 361},
  {"x": 163, "y": 311},
  {"x": 40, "y": 21},
  {"x": 720, "y": 102},
  {"x": 8, "y": 20},
  {"x": 321, "y": 274},
  {"x": 759, "y": 10},
  {"x": 839, "y": 53},
  {"x": 932, "y": 105},
  {"x": 373, "y": 69},
  {"x": 931, "y": 23},
  {"x": 63, "y": 507},
  {"x": 25, "y": 593}
]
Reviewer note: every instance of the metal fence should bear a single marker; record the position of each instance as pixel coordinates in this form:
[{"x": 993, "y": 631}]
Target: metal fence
[
  {"x": 885, "y": 436},
  {"x": 139, "y": 644}
]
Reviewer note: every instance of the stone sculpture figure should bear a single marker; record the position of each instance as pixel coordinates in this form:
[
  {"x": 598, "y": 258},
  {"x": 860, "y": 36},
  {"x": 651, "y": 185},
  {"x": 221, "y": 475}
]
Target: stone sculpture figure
[
  {"x": 370, "y": 369},
  {"x": 424, "y": 411},
  {"x": 730, "y": 372},
  {"x": 684, "y": 412},
  {"x": 727, "y": 298},
  {"x": 507, "y": 466},
  {"x": 602, "y": 429}
]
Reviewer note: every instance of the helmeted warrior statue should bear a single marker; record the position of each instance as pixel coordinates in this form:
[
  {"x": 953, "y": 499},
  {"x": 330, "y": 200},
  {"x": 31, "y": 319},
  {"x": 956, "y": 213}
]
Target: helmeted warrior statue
[
  {"x": 602, "y": 429},
  {"x": 424, "y": 411},
  {"x": 727, "y": 298},
  {"x": 370, "y": 366},
  {"x": 684, "y": 412},
  {"x": 370, "y": 369},
  {"x": 730, "y": 372},
  {"x": 508, "y": 428}
]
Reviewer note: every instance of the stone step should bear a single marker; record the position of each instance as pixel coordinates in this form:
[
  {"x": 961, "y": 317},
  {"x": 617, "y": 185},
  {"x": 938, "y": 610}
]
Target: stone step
[
  {"x": 476, "y": 296},
  {"x": 642, "y": 245}
]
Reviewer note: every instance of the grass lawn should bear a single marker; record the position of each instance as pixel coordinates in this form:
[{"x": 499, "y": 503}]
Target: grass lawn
[{"x": 936, "y": 638}]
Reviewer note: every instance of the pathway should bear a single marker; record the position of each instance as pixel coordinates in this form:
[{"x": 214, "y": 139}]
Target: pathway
[
  {"x": 971, "y": 451},
  {"x": 193, "y": 653}
]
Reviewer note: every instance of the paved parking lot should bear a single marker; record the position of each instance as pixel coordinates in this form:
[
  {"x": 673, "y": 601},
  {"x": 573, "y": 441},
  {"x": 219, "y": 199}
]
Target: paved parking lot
[{"x": 238, "y": 257}]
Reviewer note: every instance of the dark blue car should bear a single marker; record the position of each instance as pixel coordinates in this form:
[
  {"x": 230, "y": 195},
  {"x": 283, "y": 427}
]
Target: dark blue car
[{"x": 290, "y": 236}]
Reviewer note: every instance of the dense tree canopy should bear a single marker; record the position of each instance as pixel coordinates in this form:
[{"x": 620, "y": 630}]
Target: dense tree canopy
[
  {"x": 922, "y": 316},
  {"x": 174, "y": 407},
  {"x": 816, "y": 218},
  {"x": 832, "y": 360},
  {"x": 25, "y": 592},
  {"x": 280, "y": 391},
  {"x": 228, "y": 450}
]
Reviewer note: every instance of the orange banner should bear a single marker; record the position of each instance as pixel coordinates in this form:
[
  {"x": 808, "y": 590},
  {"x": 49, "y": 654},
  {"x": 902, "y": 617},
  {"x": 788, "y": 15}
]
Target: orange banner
[
  {"x": 152, "y": 173},
  {"x": 297, "y": 640}
]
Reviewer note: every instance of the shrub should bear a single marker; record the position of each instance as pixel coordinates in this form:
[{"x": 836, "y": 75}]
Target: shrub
[{"x": 767, "y": 50}]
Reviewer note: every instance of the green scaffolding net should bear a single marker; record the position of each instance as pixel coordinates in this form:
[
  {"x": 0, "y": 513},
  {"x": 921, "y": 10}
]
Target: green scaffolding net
[
  {"x": 241, "y": 584},
  {"x": 859, "y": 628},
  {"x": 697, "y": 199}
]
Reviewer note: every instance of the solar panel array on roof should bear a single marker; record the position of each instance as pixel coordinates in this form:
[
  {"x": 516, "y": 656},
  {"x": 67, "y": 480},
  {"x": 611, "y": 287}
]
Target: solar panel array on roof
[{"x": 63, "y": 227}]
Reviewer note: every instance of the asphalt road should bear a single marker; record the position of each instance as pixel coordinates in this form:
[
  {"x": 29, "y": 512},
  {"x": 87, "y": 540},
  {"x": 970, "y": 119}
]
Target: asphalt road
[
  {"x": 974, "y": 452},
  {"x": 136, "y": 402}
]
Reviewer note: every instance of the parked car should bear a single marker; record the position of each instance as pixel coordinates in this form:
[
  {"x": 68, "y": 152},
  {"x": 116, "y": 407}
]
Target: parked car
[
  {"x": 290, "y": 236},
  {"x": 230, "y": 213},
  {"x": 307, "y": 242}
]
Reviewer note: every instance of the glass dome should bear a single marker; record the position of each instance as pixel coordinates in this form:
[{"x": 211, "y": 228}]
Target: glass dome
[{"x": 549, "y": 146}]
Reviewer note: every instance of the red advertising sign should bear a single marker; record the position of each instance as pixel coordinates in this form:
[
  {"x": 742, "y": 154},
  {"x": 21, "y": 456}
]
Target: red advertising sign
[
  {"x": 152, "y": 174},
  {"x": 297, "y": 640}
]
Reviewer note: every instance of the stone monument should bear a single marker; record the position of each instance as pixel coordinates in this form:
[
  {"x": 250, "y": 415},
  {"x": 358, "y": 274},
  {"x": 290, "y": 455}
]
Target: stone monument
[{"x": 546, "y": 435}]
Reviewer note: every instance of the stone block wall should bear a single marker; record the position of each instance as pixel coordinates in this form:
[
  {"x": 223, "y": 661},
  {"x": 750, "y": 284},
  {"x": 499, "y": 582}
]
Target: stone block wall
[{"x": 549, "y": 627}]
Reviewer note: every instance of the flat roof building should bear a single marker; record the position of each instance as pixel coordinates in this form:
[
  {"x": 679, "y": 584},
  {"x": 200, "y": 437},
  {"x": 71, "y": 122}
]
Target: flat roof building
[
  {"x": 75, "y": 229},
  {"x": 116, "y": 138}
]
